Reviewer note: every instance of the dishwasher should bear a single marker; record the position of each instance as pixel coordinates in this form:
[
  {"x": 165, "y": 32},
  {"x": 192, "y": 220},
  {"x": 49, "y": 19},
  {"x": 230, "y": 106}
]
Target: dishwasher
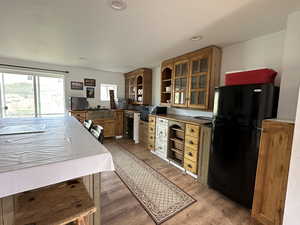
[{"x": 161, "y": 140}]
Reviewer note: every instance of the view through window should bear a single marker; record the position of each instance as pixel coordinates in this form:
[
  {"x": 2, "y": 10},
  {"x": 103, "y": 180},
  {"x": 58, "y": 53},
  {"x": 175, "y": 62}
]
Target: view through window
[
  {"x": 104, "y": 90},
  {"x": 31, "y": 95}
]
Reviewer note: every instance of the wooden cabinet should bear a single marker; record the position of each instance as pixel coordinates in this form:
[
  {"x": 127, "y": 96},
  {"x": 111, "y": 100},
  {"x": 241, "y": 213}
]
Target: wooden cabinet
[
  {"x": 143, "y": 133},
  {"x": 191, "y": 143},
  {"x": 79, "y": 115},
  {"x": 272, "y": 172},
  {"x": 204, "y": 151},
  {"x": 166, "y": 83},
  {"x": 108, "y": 126},
  {"x": 194, "y": 77},
  {"x": 113, "y": 124},
  {"x": 199, "y": 81},
  {"x": 180, "y": 83},
  {"x": 151, "y": 132},
  {"x": 119, "y": 123},
  {"x": 138, "y": 86}
]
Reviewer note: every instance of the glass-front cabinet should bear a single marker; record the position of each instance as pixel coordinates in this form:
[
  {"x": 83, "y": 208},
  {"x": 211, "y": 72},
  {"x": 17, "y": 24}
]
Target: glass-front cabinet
[
  {"x": 194, "y": 77},
  {"x": 180, "y": 83},
  {"x": 138, "y": 86},
  {"x": 199, "y": 82}
]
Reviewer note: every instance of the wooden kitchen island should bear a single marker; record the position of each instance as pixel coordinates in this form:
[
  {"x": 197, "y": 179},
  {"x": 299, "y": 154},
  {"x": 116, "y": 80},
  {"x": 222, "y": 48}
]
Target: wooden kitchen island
[{"x": 62, "y": 150}]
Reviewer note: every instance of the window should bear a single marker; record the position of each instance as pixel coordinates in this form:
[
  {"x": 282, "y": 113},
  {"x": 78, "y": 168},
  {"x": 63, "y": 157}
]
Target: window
[
  {"x": 104, "y": 90},
  {"x": 31, "y": 95}
]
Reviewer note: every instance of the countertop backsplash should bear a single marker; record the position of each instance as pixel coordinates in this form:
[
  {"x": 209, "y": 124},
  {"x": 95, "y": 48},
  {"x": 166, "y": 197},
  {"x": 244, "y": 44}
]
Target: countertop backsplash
[{"x": 188, "y": 112}]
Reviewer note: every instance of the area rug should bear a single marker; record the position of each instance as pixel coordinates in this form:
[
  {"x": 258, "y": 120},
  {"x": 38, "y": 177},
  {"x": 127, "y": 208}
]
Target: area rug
[{"x": 161, "y": 198}]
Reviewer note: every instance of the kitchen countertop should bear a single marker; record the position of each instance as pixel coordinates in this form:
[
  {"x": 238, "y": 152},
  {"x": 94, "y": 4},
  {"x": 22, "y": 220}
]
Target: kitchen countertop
[
  {"x": 185, "y": 119},
  {"x": 66, "y": 150}
]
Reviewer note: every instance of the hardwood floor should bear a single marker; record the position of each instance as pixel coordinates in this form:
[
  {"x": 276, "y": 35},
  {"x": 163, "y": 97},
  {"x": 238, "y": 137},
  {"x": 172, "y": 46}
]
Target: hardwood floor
[{"x": 120, "y": 207}]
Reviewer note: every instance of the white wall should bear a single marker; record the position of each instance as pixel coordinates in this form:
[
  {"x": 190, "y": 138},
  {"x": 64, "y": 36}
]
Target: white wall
[
  {"x": 287, "y": 109},
  {"x": 265, "y": 51},
  {"x": 292, "y": 204},
  {"x": 291, "y": 69},
  {"x": 78, "y": 74}
]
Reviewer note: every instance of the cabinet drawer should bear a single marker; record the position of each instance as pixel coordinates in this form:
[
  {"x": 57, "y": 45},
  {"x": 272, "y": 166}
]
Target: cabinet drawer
[
  {"x": 151, "y": 146},
  {"x": 152, "y": 120},
  {"x": 191, "y": 154},
  {"x": 151, "y": 129},
  {"x": 191, "y": 142},
  {"x": 151, "y": 138},
  {"x": 190, "y": 166},
  {"x": 192, "y": 130}
]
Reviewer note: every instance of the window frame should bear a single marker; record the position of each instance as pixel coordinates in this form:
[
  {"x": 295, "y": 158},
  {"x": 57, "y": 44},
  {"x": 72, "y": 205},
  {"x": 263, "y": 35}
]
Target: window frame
[
  {"x": 36, "y": 88},
  {"x": 105, "y": 84}
]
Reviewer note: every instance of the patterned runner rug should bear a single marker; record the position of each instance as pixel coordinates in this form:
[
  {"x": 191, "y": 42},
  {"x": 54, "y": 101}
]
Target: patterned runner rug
[{"x": 161, "y": 198}]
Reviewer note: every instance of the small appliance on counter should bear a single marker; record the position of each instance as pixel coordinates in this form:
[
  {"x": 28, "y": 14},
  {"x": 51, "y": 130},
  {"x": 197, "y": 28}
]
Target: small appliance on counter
[
  {"x": 78, "y": 103},
  {"x": 159, "y": 110}
]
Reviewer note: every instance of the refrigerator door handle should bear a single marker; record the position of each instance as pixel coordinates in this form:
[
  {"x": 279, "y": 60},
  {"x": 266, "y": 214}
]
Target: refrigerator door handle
[{"x": 260, "y": 129}]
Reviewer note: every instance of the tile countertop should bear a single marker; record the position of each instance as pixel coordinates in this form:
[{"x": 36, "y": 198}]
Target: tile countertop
[
  {"x": 64, "y": 151},
  {"x": 185, "y": 119}
]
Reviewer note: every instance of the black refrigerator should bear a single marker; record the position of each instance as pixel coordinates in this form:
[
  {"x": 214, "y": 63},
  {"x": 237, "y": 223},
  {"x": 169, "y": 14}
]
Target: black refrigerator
[{"x": 237, "y": 118}]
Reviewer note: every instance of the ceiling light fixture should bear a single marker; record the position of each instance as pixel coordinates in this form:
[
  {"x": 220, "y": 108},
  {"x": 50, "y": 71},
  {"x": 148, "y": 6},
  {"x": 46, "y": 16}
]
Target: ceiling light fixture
[
  {"x": 196, "y": 38},
  {"x": 118, "y": 4}
]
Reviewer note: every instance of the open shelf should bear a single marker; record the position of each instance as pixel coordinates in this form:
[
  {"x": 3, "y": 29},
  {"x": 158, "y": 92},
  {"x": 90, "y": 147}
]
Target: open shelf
[
  {"x": 177, "y": 140},
  {"x": 177, "y": 151},
  {"x": 176, "y": 129},
  {"x": 176, "y": 143},
  {"x": 178, "y": 162},
  {"x": 166, "y": 78}
]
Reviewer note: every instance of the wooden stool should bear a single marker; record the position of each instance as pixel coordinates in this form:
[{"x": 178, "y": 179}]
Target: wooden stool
[{"x": 59, "y": 204}]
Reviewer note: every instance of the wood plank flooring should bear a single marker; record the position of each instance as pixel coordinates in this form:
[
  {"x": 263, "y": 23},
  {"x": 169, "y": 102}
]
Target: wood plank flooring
[{"x": 120, "y": 207}]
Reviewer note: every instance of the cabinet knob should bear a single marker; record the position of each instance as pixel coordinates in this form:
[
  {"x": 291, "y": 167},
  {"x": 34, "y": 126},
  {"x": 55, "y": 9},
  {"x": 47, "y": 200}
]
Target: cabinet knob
[
  {"x": 190, "y": 166},
  {"x": 191, "y": 142},
  {"x": 192, "y": 130},
  {"x": 190, "y": 154}
]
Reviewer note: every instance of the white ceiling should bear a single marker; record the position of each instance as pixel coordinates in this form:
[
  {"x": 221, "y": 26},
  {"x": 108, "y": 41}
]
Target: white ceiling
[{"x": 148, "y": 31}]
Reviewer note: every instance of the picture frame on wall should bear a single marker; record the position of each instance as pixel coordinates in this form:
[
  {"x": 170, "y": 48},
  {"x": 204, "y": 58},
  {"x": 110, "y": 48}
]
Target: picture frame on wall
[
  {"x": 90, "y": 82},
  {"x": 90, "y": 92},
  {"x": 76, "y": 85}
]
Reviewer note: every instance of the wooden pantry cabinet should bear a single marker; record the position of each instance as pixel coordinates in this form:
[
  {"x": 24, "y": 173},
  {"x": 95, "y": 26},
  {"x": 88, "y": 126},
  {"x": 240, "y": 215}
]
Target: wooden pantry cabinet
[
  {"x": 272, "y": 172},
  {"x": 138, "y": 86},
  {"x": 188, "y": 81},
  {"x": 151, "y": 132}
]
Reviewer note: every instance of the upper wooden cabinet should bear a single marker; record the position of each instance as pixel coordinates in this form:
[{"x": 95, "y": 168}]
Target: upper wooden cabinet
[
  {"x": 166, "y": 82},
  {"x": 272, "y": 172},
  {"x": 193, "y": 79},
  {"x": 138, "y": 86}
]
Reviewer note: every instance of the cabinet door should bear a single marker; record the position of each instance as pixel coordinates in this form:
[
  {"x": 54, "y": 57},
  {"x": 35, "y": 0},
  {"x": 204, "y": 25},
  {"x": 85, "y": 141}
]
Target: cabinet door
[
  {"x": 139, "y": 89},
  {"x": 272, "y": 172},
  {"x": 199, "y": 82},
  {"x": 180, "y": 83},
  {"x": 132, "y": 88},
  {"x": 119, "y": 124},
  {"x": 203, "y": 156},
  {"x": 109, "y": 128}
]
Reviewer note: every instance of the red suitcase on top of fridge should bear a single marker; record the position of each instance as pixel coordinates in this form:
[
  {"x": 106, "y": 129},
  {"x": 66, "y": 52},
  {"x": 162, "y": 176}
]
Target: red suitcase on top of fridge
[{"x": 259, "y": 76}]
